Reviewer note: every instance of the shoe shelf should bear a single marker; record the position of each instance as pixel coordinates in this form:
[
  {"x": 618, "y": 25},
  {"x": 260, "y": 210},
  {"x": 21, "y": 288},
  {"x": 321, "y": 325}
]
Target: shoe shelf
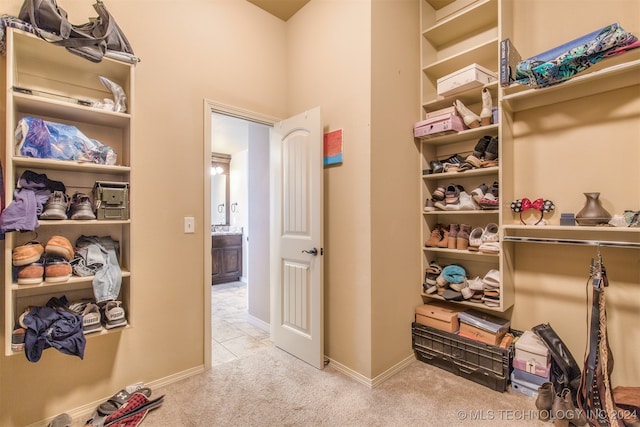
[
  {"x": 455, "y": 34},
  {"x": 462, "y": 135},
  {"x": 608, "y": 75},
  {"x": 462, "y": 254},
  {"x": 46, "y": 287},
  {"x": 444, "y": 176},
  {"x": 469, "y": 212},
  {"x": 45, "y": 81},
  {"x": 89, "y": 222}
]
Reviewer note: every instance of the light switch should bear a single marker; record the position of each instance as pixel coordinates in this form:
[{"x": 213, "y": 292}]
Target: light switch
[{"x": 189, "y": 224}]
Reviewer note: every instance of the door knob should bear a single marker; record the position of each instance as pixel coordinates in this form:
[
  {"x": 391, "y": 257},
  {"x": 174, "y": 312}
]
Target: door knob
[{"x": 313, "y": 252}]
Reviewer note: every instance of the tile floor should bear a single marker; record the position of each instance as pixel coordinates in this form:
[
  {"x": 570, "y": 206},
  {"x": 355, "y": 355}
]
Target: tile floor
[{"x": 233, "y": 336}]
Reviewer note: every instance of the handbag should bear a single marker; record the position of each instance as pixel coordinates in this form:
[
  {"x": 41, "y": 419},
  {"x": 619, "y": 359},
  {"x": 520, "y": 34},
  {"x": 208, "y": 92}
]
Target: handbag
[{"x": 90, "y": 40}]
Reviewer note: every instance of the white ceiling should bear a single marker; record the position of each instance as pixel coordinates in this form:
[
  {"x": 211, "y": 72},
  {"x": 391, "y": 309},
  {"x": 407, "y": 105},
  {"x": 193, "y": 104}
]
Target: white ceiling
[{"x": 229, "y": 135}]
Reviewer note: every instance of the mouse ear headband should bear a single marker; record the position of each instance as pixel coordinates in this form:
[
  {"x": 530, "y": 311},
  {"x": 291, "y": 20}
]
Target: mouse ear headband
[{"x": 522, "y": 205}]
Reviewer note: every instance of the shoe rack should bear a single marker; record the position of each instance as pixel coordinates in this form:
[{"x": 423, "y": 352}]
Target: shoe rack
[
  {"x": 48, "y": 69},
  {"x": 455, "y": 34}
]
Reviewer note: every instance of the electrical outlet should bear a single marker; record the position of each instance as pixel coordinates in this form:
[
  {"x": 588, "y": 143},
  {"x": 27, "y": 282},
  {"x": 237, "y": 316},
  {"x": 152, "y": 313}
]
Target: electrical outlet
[
  {"x": 134, "y": 387},
  {"x": 189, "y": 224}
]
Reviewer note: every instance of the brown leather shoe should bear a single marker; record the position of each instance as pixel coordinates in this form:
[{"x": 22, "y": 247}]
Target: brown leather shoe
[
  {"x": 56, "y": 269},
  {"x": 31, "y": 274},
  {"x": 27, "y": 253},
  {"x": 60, "y": 245}
]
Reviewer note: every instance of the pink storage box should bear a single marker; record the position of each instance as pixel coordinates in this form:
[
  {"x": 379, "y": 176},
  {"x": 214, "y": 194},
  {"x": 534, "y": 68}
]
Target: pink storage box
[
  {"x": 532, "y": 367},
  {"x": 438, "y": 125}
]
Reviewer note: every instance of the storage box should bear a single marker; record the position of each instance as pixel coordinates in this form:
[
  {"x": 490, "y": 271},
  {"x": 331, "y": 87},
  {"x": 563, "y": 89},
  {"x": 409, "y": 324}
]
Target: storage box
[
  {"x": 532, "y": 367},
  {"x": 439, "y": 315},
  {"x": 478, "y": 362},
  {"x": 524, "y": 387},
  {"x": 111, "y": 200},
  {"x": 483, "y": 327},
  {"x": 435, "y": 113},
  {"x": 467, "y": 78},
  {"x": 438, "y": 125},
  {"x": 482, "y": 335},
  {"x": 520, "y": 375},
  {"x": 531, "y": 348}
]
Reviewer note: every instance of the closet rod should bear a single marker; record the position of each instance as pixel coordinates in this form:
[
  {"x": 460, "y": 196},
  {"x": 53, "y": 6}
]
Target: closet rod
[{"x": 631, "y": 245}]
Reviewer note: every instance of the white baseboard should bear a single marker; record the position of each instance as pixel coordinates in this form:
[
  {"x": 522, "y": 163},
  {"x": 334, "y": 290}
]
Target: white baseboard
[
  {"x": 375, "y": 382},
  {"x": 258, "y": 323}
]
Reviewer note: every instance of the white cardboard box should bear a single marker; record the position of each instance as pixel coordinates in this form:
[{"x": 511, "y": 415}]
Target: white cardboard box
[
  {"x": 531, "y": 349},
  {"x": 467, "y": 78}
]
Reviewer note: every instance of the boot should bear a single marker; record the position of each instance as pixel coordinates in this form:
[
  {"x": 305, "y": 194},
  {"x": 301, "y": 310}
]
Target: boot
[
  {"x": 544, "y": 401},
  {"x": 453, "y": 232},
  {"x": 444, "y": 243},
  {"x": 565, "y": 412},
  {"x": 487, "y": 108},
  {"x": 435, "y": 237},
  {"x": 462, "y": 239},
  {"x": 471, "y": 119}
]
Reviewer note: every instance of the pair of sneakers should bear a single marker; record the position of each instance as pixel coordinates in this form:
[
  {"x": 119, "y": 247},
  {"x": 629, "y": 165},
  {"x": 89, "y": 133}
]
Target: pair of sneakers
[{"x": 59, "y": 207}]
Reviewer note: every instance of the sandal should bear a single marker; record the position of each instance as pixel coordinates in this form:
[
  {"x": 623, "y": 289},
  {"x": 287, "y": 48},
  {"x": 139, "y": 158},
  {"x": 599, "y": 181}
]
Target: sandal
[
  {"x": 490, "y": 233},
  {"x": 490, "y": 248},
  {"x": 492, "y": 278},
  {"x": 475, "y": 239},
  {"x": 116, "y": 401}
]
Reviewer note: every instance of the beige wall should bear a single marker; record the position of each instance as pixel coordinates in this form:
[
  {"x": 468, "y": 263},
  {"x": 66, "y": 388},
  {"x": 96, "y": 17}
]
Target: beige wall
[
  {"x": 561, "y": 151},
  {"x": 395, "y": 201},
  {"x": 329, "y": 65},
  {"x": 228, "y": 51}
]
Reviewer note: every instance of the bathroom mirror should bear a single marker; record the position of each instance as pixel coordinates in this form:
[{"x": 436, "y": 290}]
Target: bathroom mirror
[{"x": 220, "y": 189}]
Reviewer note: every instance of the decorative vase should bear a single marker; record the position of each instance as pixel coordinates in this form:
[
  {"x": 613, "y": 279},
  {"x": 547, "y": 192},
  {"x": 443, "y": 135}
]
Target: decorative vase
[{"x": 592, "y": 213}]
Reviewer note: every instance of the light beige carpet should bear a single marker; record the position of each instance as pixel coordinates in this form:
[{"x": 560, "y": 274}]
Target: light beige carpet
[{"x": 272, "y": 388}]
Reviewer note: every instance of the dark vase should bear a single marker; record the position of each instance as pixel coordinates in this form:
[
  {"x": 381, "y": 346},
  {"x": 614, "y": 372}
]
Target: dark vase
[{"x": 592, "y": 213}]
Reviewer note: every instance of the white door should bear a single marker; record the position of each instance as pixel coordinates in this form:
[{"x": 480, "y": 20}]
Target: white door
[{"x": 297, "y": 255}]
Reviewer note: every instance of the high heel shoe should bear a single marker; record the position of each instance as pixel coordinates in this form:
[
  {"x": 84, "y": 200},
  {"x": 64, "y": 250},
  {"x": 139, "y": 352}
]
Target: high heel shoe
[
  {"x": 487, "y": 108},
  {"x": 471, "y": 119}
]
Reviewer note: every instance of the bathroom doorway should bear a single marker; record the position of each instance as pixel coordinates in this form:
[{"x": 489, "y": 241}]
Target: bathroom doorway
[{"x": 243, "y": 137}]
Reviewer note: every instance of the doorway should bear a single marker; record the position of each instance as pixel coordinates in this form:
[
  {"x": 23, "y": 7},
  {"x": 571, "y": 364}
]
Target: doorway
[{"x": 244, "y": 135}]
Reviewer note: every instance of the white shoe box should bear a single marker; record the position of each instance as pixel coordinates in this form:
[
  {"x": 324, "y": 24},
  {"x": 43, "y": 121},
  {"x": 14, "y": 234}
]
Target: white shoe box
[
  {"x": 531, "y": 349},
  {"x": 467, "y": 78}
]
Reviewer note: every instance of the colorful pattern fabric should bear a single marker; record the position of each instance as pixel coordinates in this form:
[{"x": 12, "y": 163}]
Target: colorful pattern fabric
[{"x": 563, "y": 62}]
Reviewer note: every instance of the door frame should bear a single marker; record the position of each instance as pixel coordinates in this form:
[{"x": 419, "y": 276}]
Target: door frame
[{"x": 210, "y": 107}]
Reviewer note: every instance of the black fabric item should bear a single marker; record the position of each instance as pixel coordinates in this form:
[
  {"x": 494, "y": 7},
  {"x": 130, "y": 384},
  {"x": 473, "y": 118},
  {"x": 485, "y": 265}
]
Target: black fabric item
[{"x": 565, "y": 369}]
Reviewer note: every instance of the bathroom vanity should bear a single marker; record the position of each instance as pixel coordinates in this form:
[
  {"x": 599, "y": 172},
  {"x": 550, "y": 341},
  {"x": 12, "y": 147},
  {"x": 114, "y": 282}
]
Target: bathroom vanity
[{"x": 226, "y": 256}]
